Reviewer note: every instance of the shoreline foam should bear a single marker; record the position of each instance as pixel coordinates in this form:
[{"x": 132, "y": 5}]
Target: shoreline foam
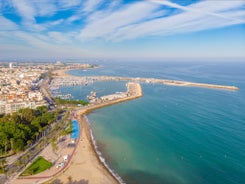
[
  {"x": 99, "y": 154},
  {"x": 85, "y": 164}
]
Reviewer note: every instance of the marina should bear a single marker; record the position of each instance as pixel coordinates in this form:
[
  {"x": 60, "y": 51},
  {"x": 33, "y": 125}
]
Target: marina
[{"x": 74, "y": 80}]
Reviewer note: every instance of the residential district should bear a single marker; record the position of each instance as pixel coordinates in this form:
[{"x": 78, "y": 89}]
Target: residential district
[{"x": 20, "y": 84}]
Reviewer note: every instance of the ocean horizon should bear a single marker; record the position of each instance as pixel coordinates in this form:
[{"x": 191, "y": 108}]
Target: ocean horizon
[{"x": 172, "y": 134}]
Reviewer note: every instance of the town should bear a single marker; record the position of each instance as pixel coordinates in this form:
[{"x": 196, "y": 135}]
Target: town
[{"x": 20, "y": 84}]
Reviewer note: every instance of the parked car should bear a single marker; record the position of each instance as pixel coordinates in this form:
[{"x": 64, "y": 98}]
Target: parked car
[
  {"x": 60, "y": 165},
  {"x": 65, "y": 157}
]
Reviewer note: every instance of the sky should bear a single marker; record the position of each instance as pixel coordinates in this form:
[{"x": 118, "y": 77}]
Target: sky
[{"x": 127, "y": 29}]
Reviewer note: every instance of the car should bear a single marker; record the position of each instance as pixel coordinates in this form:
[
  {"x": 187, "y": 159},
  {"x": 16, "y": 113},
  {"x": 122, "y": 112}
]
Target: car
[
  {"x": 66, "y": 157},
  {"x": 60, "y": 165}
]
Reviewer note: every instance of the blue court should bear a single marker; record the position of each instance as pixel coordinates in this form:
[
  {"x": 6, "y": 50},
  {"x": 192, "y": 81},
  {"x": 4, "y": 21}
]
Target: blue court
[{"x": 75, "y": 129}]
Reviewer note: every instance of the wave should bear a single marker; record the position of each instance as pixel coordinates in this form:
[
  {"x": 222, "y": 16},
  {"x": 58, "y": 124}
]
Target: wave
[{"x": 100, "y": 156}]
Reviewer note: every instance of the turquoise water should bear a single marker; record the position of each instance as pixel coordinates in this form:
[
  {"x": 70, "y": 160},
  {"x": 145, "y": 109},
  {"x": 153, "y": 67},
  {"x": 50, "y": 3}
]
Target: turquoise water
[
  {"x": 174, "y": 135},
  {"x": 75, "y": 129}
]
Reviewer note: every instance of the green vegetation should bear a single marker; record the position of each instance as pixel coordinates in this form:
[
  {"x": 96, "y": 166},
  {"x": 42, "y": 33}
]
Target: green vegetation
[
  {"x": 42, "y": 76},
  {"x": 67, "y": 131},
  {"x": 60, "y": 101},
  {"x": 22, "y": 128},
  {"x": 2, "y": 165},
  {"x": 39, "y": 165}
]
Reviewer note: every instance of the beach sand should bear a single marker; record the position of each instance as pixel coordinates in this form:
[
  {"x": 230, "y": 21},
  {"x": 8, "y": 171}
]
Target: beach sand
[
  {"x": 85, "y": 166},
  {"x": 61, "y": 73}
]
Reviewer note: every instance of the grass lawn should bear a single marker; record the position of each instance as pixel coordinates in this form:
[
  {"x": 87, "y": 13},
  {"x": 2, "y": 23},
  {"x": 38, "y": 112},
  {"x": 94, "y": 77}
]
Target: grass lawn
[{"x": 39, "y": 165}]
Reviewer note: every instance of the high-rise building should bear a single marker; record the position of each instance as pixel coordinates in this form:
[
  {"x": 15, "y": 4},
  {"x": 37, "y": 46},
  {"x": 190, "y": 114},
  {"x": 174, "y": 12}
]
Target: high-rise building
[{"x": 10, "y": 65}]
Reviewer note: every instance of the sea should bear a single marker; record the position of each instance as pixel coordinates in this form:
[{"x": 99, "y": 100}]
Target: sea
[{"x": 172, "y": 134}]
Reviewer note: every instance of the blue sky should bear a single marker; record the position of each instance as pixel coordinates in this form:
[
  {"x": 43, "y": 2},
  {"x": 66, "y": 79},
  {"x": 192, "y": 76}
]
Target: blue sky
[{"x": 149, "y": 29}]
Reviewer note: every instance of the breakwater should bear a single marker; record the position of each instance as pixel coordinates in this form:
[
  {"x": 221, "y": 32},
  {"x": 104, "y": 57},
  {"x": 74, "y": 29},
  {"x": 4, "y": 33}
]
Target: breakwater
[{"x": 74, "y": 80}]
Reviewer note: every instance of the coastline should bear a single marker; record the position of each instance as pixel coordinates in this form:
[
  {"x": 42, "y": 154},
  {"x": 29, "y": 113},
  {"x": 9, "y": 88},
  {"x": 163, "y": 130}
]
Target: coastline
[
  {"x": 98, "y": 169},
  {"x": 90, "y": 136},
  {"x": 87, "y": 165}
]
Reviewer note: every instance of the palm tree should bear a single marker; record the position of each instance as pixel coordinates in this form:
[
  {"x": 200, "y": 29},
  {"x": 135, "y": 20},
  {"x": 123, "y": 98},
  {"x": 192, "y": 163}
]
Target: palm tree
[
  {"x": 3, "y": 161},
  {"x": 54, "y": 145},
  {"x": 11, "y": 144},
  {"x": 6, "y": 145}
]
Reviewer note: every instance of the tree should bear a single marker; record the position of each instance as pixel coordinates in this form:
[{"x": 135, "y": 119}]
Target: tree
[
  {"x": 41, "y": 110},
  {"x": 27, "y": 115},
  {"x": 16, "y": 117},
  {"x": 19, "y": 145},
  {"x": 2, "y": 164},
  {"x": 3, "y": 140},
  {"x": 6, "y": 142},
  {"x": 11, "y": 144},
  {"x": 54, "y": 145},
  {"x": 22, "y": 128}
]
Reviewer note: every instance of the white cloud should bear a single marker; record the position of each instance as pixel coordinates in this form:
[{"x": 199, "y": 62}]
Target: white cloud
[
  {"x": 69, "y": 3},
  {"x": 29, "y": 10},
  {"x": 91, "y": 5},
  {"x": 104, "y": 23},
  {"x": 6, "y": 24},
  {"x": 59, "y": 37},
  {"x": 205, "y": 7},
  {"x": 73, "y": 18},
  {"x": 25, "y": 9},
  {"x": 116, "y": 23},
  {"x": 31, "y": 45},
  {"x": 44, "y": 7},
  {"x": 200, "y": 16},
  {"x": 48, "y": 53}
]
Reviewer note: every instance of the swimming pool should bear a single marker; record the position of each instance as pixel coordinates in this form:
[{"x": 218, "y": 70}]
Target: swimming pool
[{"x": 75, "y": 129}]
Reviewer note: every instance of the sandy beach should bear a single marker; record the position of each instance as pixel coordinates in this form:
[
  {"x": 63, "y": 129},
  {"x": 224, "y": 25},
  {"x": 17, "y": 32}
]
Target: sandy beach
[
  {"x": 85, "y": 166},
  {"x": 61, "y": 73}
]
